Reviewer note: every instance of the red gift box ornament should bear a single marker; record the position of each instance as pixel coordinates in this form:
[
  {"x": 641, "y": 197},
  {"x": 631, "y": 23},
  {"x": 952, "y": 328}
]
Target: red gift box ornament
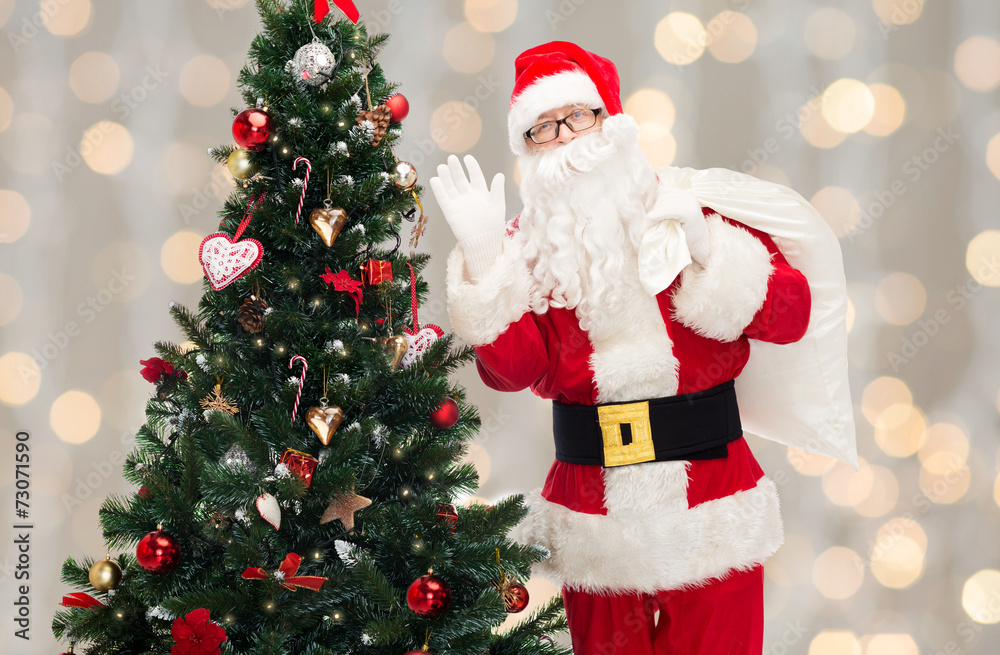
[
  {"x": 299, "y": 463},
  {"x": 376, "y": 271}
]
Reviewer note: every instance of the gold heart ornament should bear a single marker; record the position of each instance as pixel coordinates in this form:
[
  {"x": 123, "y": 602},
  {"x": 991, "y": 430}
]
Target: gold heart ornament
[
  {"x": 328, "y": 222},
  {"x": 395, "y": 348},
  {"x": 324, "y": 421}
]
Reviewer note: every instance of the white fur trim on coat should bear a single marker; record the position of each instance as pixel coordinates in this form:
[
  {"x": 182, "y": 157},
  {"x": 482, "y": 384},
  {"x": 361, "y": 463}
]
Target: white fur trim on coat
[
  {"x": 547, "y": 93},
  {"x": 720, "y": 298},
  {"x": 481, "y": 311},
  {"x": 648, "y": 551}
]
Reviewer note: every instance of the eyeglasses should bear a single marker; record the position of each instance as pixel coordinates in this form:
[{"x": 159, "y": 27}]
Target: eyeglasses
[{"x": 581, "y": 119}]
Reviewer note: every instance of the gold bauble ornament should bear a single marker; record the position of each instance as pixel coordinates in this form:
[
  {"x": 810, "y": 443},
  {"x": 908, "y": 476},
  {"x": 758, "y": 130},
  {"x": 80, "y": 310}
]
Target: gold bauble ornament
[
  {"x": 324, "y": 421},
  {"x": 240, "y": 166},
  {"x": 328, "y": 222},
  {"x": 105, "y": 575},
  {"x": 394, "y": 347},
  {"x": 404, "y": 175}
]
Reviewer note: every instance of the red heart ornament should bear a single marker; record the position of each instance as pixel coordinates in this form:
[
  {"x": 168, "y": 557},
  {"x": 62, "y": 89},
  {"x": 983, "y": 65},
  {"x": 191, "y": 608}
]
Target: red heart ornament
[
  {"x": 418, "y": 342},
  {"x": 224, "y": 262}
]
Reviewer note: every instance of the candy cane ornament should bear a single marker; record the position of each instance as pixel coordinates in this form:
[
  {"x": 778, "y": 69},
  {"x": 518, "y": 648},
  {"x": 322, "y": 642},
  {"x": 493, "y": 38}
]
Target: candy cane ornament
[
  {"x": 302, "y": 382},
  {"x": 305, "y": 185}
]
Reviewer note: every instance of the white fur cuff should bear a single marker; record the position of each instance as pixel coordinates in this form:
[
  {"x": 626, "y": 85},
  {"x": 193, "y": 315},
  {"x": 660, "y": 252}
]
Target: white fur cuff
[
  {"x": 720, "y": 298},
  {"x": 657, "y": 550},
  {"x": 481, "y": 311}
]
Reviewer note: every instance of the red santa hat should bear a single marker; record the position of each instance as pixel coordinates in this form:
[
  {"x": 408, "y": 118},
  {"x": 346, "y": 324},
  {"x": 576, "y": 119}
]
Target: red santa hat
[{"x": 556, "y": 74}]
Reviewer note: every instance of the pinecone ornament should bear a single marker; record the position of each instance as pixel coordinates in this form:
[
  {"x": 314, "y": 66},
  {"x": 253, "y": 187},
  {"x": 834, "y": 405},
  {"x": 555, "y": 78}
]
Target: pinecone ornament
[
  {"x": 380, "y": 117},
  {"x": 251, "y": 314}
]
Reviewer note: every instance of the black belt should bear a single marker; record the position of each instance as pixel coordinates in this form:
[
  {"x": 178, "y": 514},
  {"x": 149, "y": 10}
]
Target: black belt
[{"x": 691, "y": 426}]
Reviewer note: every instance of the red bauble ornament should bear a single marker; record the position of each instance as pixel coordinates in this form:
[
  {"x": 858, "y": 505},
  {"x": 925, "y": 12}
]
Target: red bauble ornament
[
  {"x": 417, "y": 652},
  {"x": 447, "y": 515},
  {"x": 158, "y": 552},
  {"x": 446, "y": 415},
  {"x": 515, "y": 598},
  {"x": 252, "y": 129},
  {"x": 399, "y": 106},
  {"x": 429, "y": 596}
]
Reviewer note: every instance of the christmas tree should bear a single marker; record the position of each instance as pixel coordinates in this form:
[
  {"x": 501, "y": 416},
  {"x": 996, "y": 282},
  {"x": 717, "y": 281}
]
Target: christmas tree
[{"x": 302, "y": 451}]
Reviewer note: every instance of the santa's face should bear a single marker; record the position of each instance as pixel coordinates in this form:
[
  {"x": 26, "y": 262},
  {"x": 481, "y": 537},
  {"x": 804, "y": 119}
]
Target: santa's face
[
  {"x": 564, "y": 120},
  {"x": 585, "y": 202}
]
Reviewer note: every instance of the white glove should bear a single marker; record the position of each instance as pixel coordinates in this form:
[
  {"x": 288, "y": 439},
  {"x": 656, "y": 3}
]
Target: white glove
[
  {"x": 683, "y": 207},
  {"x": 679, "y": 234},
  {"x": 476, "y": 214}
]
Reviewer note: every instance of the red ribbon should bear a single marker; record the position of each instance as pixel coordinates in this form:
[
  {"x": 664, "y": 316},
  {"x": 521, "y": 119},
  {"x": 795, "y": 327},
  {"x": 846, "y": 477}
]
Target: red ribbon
[
  {"x": 413, "y": 297},
  {"x": 322, "y": 8},
  {"x": 342, "y": 282},
  {"x": 288, "y": 568},
  {"x": 251, "y": 210},
  {"x": 80, "y": 599}
]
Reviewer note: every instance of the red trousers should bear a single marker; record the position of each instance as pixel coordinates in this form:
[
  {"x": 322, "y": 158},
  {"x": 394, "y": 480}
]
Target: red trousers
[{"x": 721, "y": 617}]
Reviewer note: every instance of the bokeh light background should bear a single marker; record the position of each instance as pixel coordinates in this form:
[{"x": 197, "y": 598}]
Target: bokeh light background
[{"x": 883, "y": 113}]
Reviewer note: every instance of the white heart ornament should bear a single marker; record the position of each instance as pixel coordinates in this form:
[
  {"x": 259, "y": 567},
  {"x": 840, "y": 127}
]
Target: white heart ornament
[
  {"x": 267, "y": 505},
  {"x": 224, "y": 262},
  {"x": 418, "y": 343}
]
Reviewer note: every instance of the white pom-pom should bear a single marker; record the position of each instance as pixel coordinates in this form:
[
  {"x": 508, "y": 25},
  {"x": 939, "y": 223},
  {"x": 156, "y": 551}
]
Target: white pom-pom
[
  {"x": 294, "y": 122},
  {"x": 279, "y": 575},
  {"x": 281, "y": 471},
  {"x": 621, "y": 129}
]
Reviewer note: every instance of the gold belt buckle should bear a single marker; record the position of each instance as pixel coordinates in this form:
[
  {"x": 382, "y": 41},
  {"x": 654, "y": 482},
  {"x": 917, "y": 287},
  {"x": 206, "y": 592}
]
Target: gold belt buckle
[{"x": 640, "y": 449}]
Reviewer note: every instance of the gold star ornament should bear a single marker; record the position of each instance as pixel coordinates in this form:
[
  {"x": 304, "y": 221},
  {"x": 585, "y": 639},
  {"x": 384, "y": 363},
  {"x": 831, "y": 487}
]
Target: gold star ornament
[
  {"x": 343, "y": 508},
  {"x": 219, "y": 402}
]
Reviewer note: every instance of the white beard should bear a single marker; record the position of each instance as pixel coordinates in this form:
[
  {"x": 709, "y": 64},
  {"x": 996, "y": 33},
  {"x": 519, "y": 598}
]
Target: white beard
[{"x": 584, "y": 217}]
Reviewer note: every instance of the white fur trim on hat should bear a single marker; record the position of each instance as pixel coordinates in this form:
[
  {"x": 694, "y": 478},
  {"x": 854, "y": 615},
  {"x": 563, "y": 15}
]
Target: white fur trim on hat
[
  {"x": 650, "y": 549},
  {"x": 547, "y": 93}
]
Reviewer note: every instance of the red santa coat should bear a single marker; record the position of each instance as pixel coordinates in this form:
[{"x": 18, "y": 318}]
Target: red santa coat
[{"x": 656, "y": 525}]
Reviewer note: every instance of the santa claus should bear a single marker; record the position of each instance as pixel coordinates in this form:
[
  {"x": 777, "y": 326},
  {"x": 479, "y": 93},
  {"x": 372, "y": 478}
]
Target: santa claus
[{"x": 629, "y": 297}]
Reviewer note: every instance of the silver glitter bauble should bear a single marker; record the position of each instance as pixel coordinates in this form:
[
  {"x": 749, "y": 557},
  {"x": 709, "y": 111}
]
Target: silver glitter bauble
[
  {"x": 236, "y": 458},
  {"x": 313, "y": 64}
]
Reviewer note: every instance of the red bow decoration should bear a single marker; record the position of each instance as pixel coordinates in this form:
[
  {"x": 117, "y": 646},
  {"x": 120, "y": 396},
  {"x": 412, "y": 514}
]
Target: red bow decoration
[
  {"x": 286, "y": 573},
  {"x": 342, "y": 282},
  {"x": 80, "y": 599},
  {"x": 322, "y": 8}
]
